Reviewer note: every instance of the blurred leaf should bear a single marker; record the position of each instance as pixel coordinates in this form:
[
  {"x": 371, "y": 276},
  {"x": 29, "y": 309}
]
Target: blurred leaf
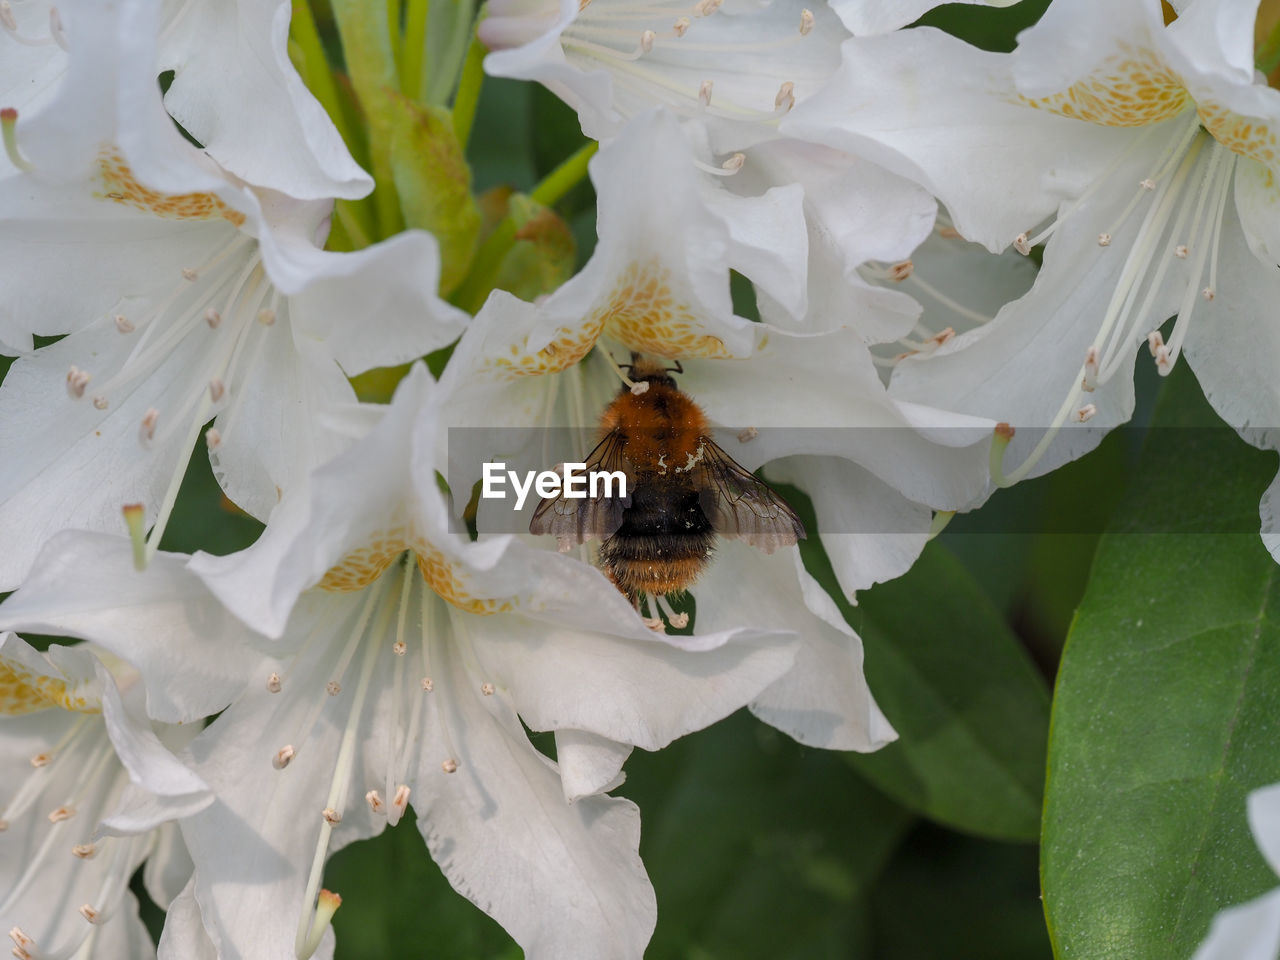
[
  {"x": 1167, "y": 709},
  {"x": 954, "y": 897},
  {"x": 971, "y": 710},
  {"x": 758, "y": 847},
  {"x": 991, "y": 28},
  {"x": 434, "y": 183},
  {"x": 499, "y": 150},
  {"x": 203, "y": 518},
  {"x": 397, "y": 903}
]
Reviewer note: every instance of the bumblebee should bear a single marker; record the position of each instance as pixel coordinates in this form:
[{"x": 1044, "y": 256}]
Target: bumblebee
[{"x": 682, "y": 492}]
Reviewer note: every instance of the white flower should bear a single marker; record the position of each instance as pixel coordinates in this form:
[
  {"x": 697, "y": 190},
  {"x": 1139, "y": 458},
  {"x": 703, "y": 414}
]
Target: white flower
[
  {"x": 407, "y": 656},
  {"x": 1251, "y": 931},
  {"x": 233, "y": 89},
  {"x": 87, "y": 791},
  {"x": 185, "y": 296},
  {"x": 1154, "y": 143}
]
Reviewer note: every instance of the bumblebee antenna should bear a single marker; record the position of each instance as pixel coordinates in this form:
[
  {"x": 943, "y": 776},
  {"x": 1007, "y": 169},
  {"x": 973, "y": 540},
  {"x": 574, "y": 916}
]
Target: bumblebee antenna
[{"x": 676, "y": 369}]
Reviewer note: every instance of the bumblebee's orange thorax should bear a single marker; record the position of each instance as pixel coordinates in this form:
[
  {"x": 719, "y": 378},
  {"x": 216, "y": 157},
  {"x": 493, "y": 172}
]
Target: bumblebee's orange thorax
[{"x": 662, "y": 427}]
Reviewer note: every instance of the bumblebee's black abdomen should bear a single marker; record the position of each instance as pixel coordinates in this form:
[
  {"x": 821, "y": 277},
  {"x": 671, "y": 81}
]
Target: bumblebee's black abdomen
[{"x": 664, "y": 542}]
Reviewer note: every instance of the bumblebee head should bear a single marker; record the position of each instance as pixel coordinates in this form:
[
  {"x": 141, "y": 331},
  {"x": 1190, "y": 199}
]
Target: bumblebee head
[{"x": 652, "y": 369}]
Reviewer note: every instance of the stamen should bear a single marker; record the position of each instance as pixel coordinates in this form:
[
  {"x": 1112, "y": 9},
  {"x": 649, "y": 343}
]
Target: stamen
[
  {"x": 486, "y": 689},
  {"x": 399, "y": 648},
  {"x": 1000, "y": 439},
  {"x": 40, "y": 760},
  {"x": 806, "y": 21},
  {"x": 217, "y": 389},
  {"x": 705, "y": 8},
  {"x": 273, "y": 683},
  {"x": 427, "y": 685},
  {"x": 212, "y": 317},
  {"x": 8, "y": 127},
  {"x": 1104, "y": 239},
  {"x": 1148, "y": 184},
  {"x": 123, "y": 324},
  {"x": 646, "y": 40},
  {"x": 1090, "y": 380},
  {"x": 681, "y": 26},
  {"x": 1085, "y": 413},
  {"x": 449, "y": 766},
  {"x": 1181, "y": 251},
  {"x": 212, "y": 438},
  {"x": 940, "y": 520},
  {"x": 704, "y": 93},
  {"x": 331, "y": 816},
  {"x": 1022, "y": 243},
  {"x": 7, "y": 19},
  {"x": 374, "y": 799},
  {"x": 85, "y": 851},
  {"x": 283, "y": 756},
  {"x": 333, "y": 688},
  {"x": 901, "y": 271},
  {"x": 61, "y": 813},
  {"x": 266, "y": 317},
  {"x": 401, "y": 800},
  {"x": 89, "y": 913},
  {"x": 147, "y": 429},
  {"x": 190, "y": 275}
]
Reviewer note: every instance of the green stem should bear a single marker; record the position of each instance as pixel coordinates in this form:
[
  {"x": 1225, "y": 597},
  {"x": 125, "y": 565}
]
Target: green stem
[
  {"x": 413, "y": 48},
  {"x": 566, "y": 176},
  {"x": 464, "y": 104},
  {"x": 1267, "y": 58},
  {"x": 478, "y": 284}
]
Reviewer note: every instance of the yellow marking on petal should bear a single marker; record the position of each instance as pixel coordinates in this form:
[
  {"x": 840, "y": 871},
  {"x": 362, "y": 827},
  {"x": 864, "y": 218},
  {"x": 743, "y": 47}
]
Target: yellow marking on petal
[
  {"x": 120, "y": 185},
  {"x": 644, "y": 313},
  {"x": 442, "y": 577},
  {"x": 22, "y": 691},
  {"x": 1133, "y": 88},
  {"x": 567, "y": 349},
  {"x": 1247, "y": 136},
  {"x": 362, "y": 567}
]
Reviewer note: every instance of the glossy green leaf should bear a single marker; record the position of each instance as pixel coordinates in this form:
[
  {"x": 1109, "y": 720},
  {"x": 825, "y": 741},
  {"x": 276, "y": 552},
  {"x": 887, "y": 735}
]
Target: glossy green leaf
[
  {"x": 434, "y": 183},
  {"x": 1167, "y": 707},
  {"x": 969, "y": 706}
]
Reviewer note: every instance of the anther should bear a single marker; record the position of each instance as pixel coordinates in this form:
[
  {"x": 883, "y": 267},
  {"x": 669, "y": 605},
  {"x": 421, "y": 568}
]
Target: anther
[
  {"x": 705, "y": 8},
  {"x": 1086, "y": 412},
  {"x": 786, "y": 98},
  {"x": 62, "y": 813},
  {"x": 374, "y": 799},
  {"x": 1164, "y": 362},
  {"x": 133, "y": 521},
  {"x": 1090, "y": 381},
  {"x": 273, "y": 683},
  {"x": 217, "y": 389},
  {"x": 449, "y": 766},
  {"x": 266, "y": 317},
  {"x": 734, "y": 163},
  {"x": 943, "y": 335},
  {"x": 85, "y": 851},
  {"x": 401, "y": 799},
  {"x": 40, "y": 760},
  {"x": 1181, "y": 251},
  {"x": 486, "y": 689},
  {"x": 189, "y": 274},
  {"x": 77, "y": 380},
  {"x": 88, "y": 913},
  {"x": 283, "y": 757},
  {"x": 806, "y": 21},
  {"x": 9, "y": 128},
  {"x": 655, "y": 624},
  {"x": 100, "y": 402},
  {"x": 747, "y": 434},
  {"x": 1022, "y": 243},
  {"x": 681, "y": 26},
  {"x": 20, "y": 938},
  {"x": 4, "y": 825},
  {"x": 1104, "y": 239},
  {"x": 704, "y": 93},
  {"x": 212, "y": 317},
  {"x": 1148, "y": 184},
  {"x": 646, "y": 41},
  {"x": 427, "y": 685},
  {"x": 1155, "y": 342},
  {"x": 213, "y": 438},
  {"x": 1208, "y": 293},
  {"x": 679, "y": 620},
  {"x": 7, "y": 19},
  {"x": 147, "y": 429},
  {"x": 331, "y": 816},
  {"x": 123, "y": 324},
  {"x": 900, "y": 271},
  {"x": 399, "y": 648},
  {"x": 333, "y": 688}
]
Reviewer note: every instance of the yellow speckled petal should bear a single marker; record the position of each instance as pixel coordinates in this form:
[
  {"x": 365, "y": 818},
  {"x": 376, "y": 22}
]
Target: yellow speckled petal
[
  {"x": 1133, "y": 88},
  {"x": 1247, "y": 136},
  {"x": 23, "y": 691},
  {"x": 120, "y": 185},
  {"x": 646, "y": 314}
]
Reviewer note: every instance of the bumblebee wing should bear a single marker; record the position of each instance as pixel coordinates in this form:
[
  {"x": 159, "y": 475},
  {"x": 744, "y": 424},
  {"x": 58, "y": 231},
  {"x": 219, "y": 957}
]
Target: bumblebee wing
[
  {"x": 741, "y": 507},
  {"x": 577, "y": 520}
]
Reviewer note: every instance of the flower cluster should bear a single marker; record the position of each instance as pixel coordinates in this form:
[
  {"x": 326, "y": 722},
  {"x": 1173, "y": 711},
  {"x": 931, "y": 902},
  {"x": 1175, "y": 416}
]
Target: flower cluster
[{"x": 194, "y": 262}]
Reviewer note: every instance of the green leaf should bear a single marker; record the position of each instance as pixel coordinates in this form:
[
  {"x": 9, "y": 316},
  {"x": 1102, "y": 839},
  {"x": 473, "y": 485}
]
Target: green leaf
[
  {"x": 396, "y": 903},
  {"x": 434, "y": 183},
  {"x": 544, "y": 254},
  {"x": 970, "y": 708},
  {"x": 1167, "y": 707},
  {"x": 758, "y": 847}
]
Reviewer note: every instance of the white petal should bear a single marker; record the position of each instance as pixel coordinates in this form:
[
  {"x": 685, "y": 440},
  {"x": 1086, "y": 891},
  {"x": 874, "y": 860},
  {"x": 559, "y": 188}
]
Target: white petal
[
  {"x": 1264, "y": 821},
  {"x": 870, "y": 531},
  {"x": 236, "y": 91},
  {"x": 189, "y": 649},
  {"x": 1258, "y": 206},
  {"x": 866, "y": 17},
  {"x": 168, "y": 867},
  {"x": 589, "y": 764},
  {"x": 1250, "y": 931},
  {"x": 565, "y": 880},
  {"x": 823, "y": 700},
  {"x": 183, "y": 936},
  {"x": 933, "y": 109}
]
